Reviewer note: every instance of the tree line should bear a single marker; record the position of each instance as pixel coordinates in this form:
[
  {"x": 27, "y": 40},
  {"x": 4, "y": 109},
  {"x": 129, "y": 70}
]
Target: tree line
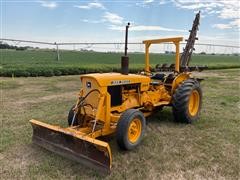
[{"x": 4, "y": 45}]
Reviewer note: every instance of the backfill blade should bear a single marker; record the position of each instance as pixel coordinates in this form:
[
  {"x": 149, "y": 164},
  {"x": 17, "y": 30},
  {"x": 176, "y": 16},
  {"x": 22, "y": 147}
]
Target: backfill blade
[{"x": 88, "y": 151}]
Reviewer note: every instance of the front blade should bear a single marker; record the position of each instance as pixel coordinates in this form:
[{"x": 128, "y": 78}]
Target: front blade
[{"x": 88, "y": 151}]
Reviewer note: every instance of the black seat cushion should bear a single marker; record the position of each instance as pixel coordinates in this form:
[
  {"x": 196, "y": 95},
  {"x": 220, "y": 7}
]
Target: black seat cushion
[{"x": 158, "y": 76}]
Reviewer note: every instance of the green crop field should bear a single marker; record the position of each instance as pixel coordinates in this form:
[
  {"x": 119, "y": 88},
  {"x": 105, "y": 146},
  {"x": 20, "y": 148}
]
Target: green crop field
[
  {"x": 207, "y": 149},
  {"x": 44, "y": 63}
]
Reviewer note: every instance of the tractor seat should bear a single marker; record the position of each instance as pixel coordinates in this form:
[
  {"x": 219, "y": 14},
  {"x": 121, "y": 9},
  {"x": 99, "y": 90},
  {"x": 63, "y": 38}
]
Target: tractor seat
[{"x": 158, "y": 76}]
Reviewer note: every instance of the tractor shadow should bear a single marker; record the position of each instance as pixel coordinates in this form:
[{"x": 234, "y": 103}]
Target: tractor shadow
[
  {"x": 162, "y": 116},
  {"x": 161, "y": 119}
]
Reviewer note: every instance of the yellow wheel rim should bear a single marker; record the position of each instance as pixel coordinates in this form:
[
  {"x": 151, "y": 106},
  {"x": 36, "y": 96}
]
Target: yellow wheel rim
[
  {"x": 134, "y": 130},
  {"x": 194, "y": 102}
]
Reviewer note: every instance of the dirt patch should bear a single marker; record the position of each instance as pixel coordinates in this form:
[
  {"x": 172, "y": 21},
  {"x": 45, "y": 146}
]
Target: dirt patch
[
  {"x": 62, "y": 85},
  {"x": 46, "y": 98},
  {"x": 218, "y": 74},
  {"x": 207, "y": 74},
  {"x": 1, "y": 156},
  {"x": 55, "y": 96},
  {"x": 229, "y": 82}
]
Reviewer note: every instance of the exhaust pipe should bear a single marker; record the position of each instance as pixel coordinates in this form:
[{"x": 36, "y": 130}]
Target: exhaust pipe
[{"x": 125, "y": 58}]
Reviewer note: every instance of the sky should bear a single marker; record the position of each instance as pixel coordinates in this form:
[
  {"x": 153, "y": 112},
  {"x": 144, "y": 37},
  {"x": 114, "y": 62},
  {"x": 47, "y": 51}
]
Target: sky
[{"x": 104, "y": 21}]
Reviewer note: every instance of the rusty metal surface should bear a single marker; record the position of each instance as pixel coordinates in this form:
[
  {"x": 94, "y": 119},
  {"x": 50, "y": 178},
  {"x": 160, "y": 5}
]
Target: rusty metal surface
[
  {"x": 71, "y": 147},
  {"x": 189, "y": 48}
]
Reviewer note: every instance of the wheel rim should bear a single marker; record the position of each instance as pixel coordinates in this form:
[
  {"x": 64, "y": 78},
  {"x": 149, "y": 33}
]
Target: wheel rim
[
  {"x": 134, "y": 130},
  {"x": 193, "y": 104}
]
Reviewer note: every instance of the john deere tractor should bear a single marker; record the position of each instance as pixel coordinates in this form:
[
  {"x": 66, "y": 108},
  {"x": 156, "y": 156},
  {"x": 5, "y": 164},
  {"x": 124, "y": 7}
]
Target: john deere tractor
[{"x": 118, "y": 103}]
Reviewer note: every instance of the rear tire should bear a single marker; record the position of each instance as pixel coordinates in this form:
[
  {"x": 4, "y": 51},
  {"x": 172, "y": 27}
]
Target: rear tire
[
  {"x": 130, "y": 129},
  {"x": 187, "y": 101}
]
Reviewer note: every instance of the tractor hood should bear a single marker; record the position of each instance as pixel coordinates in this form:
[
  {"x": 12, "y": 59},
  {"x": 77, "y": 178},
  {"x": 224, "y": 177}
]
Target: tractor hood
[{"x": 113, "y": 79}]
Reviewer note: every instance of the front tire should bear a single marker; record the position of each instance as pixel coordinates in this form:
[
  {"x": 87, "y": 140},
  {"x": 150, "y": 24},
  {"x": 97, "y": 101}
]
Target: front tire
[
  {"x": 187, "y": 101},
  {"x": 130, "y": 129}
]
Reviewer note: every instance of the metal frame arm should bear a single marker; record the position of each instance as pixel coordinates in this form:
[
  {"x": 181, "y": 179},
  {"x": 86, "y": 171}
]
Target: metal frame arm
[{"x": 174, "y": 40}]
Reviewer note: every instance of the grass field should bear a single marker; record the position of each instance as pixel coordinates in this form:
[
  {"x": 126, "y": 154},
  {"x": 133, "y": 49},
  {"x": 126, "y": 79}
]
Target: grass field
[
  {"x": 207, "y": 149},
  {"x": 43, "y": 63}
]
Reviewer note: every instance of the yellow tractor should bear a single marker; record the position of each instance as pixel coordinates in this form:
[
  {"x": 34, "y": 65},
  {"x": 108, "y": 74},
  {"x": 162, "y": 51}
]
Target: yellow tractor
[{"x": 118, "y": 103}]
